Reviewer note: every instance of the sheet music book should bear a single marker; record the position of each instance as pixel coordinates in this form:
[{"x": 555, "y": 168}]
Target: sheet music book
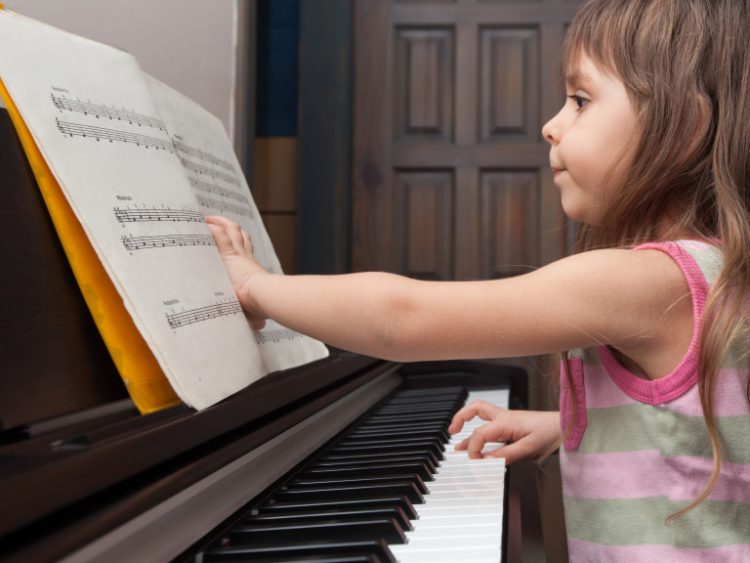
[{"x": 140, "y": 165}]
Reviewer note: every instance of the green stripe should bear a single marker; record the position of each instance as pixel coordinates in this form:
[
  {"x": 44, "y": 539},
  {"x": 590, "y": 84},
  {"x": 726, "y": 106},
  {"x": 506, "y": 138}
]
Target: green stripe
[
  {"x": 643, "y": 521},
  {"x": 638, "y": 426},
  {"x": 710, "y": 261}
]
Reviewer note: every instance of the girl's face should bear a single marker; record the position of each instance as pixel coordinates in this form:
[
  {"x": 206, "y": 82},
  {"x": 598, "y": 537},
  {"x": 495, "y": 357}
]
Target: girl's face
[{"x": 589, "y": 139}]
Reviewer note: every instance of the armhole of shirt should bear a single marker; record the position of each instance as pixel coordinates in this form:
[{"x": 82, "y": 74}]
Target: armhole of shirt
[{"x": 684, "y": 375}]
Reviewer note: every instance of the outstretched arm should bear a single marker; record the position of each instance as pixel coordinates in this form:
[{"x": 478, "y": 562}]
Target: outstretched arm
[{"x": 609, "y": 296}]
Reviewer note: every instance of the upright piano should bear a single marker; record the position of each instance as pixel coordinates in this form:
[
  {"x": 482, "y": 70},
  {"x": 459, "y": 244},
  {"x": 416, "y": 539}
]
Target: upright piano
[{"x": 339, "y": 460}]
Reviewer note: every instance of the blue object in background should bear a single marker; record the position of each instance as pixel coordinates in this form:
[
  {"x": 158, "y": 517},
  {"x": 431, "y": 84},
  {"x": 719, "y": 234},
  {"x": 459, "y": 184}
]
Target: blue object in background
[{"x": 277, "y": 70}]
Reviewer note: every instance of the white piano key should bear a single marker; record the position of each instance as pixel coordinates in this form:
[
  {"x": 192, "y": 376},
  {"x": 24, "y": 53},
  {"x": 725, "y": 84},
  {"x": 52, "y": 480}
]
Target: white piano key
[
  {"x": 481, "y": 511},
  {"x": 463, "y": 553},
  {"x": 461, "y": 518}
]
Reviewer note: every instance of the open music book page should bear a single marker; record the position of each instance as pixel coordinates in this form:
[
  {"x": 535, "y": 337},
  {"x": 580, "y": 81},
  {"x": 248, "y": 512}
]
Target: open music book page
[
  {"x": 208, "y": 159},
  {"x": 140, "y": 165}
]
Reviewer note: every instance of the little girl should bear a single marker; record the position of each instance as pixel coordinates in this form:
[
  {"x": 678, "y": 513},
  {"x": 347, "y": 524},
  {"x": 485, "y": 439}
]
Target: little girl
[{"x": 651, "y": 153}]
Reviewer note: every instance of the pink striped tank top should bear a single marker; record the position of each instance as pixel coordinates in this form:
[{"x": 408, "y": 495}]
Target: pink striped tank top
[{"x": 639, "y": 450}]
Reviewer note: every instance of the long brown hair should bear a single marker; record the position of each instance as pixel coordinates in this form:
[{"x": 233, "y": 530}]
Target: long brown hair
[{"x": 686, "y": 67}]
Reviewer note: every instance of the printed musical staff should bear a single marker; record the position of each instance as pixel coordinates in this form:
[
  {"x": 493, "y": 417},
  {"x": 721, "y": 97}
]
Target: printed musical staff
[
  {"x": 203, "y": 155},
  {"x": 211, "y": 188},
  {"x": 200, "y": 314},
  {"x": 132, "y": 243},
  {"x": 276, "y": 335},
  {"x": 112, "y": 135},
  {"x": 107, "y": 112},
  {"x": 207, "y": 170},
  {"x": 158, "y": 214},
  {"x": 224, "y": 206}
]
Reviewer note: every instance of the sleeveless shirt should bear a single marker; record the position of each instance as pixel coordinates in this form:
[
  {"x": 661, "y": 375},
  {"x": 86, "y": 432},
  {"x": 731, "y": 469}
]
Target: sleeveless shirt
[{"x": 638, "y": 450}]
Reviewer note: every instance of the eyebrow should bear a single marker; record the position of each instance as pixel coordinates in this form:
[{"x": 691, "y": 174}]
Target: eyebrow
[{"x": 577, "y": 78}]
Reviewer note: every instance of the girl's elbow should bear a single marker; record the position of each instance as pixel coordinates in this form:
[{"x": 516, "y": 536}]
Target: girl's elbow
[{"x": 398, "y": 334}]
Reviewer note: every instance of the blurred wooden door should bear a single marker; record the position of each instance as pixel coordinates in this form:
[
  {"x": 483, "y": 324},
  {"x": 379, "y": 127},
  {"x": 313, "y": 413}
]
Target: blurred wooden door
[{"x": 451, "y": 176}]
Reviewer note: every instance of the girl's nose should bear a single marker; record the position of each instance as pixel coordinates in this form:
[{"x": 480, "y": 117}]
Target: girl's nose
[{"x": 551, "y": 131}]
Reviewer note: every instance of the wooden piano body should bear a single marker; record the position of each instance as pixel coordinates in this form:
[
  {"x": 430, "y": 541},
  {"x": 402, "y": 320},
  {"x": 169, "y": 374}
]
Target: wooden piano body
[{"x": 84, "y": 477}]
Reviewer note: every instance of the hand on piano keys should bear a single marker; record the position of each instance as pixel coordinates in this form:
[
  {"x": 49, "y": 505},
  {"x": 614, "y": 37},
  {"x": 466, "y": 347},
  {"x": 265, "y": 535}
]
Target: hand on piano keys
[{"x": 532, "y": 433}]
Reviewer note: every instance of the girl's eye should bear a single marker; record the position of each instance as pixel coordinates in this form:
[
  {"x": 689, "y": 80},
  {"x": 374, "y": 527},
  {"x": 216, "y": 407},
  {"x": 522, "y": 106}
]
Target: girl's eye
[{"x": 579, "y": 100}]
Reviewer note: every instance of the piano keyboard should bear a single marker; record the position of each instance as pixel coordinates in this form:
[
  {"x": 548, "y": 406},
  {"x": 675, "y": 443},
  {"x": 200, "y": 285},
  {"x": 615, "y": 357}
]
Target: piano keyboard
[{"x": 391, "y": 489}]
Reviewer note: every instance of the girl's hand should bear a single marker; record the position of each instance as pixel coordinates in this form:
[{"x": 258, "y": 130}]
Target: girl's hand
[
  {"x": 236, "y": 250},
  {"x": 531, "y": 432}
]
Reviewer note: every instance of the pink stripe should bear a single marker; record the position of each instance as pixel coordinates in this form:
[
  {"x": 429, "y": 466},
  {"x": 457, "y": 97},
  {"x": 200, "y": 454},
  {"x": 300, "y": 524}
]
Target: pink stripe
[
  {"x": 684, "y": 376},
  {"x": 579, "y": 550},
  {"x": 618, "y": 475},
  {"x": 624, "y": 475},
  {"x": 730, "y": 396},
  {"x": 690, "y": 476}
]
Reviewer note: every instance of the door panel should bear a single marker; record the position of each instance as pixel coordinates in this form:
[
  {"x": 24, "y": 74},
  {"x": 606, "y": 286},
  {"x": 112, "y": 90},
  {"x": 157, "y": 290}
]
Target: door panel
[{"x": 451, "y": 177}]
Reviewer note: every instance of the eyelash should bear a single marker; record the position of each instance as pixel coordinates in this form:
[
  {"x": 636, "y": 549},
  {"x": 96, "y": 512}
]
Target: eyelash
[{"x": 579, "y": 100}]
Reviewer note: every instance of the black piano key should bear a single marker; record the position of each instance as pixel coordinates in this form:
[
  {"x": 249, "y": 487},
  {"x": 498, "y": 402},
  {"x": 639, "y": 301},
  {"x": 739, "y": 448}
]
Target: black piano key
[
  {"x": 301, "y": 551},
  {"x": 354, "y": 456},
  {"x": 370, "y": 470},
  {"x": 420, "y": 459},
  {"x": 301, "y": 516},
  {"x": 436, "y": 449},
  {"x": 326, "y": 558},
  {"x": 277, "y": 507},
  {"x": 413, "y": 418},
  {"x": 436, "y": 408},
  {"x": 353, "y": 529},
  {"x": 322, "y": 481},
  {"x": 377, "y": 434},
  {"x": 429, "y": 442},
  {"x": 299, "y": 494},
  {"x": 405, "y": 427}
]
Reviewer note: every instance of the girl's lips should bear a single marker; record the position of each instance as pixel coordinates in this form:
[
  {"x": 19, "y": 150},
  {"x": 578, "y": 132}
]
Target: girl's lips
[{"x": 557, "y": 171}]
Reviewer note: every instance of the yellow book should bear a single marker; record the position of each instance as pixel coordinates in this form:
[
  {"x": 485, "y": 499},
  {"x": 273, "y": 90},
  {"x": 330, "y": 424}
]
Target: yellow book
[{"x": 144, "y": 379}]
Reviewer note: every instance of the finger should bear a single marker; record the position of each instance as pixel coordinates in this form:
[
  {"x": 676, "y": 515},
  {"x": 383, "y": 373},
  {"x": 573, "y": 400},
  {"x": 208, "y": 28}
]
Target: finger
[
  {"x": 221, "y": 238},
  {"x": 235, "y": 234},
  {"x": 497, "y": 430},
  {"x": 258, "y": 325},
  {"x": 482, "y": 409},
  {"x": 513, "y": 452},
  {"x": 476, "y": 443},
  {"x": 248, "y": 244},
  {"x": 220, "y": 221},
  {"x": 462, "y": 445}
]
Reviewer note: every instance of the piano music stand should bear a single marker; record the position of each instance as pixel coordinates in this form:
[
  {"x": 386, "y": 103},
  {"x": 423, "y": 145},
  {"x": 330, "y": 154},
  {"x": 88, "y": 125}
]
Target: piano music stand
[{"x": 53, "y": 361}]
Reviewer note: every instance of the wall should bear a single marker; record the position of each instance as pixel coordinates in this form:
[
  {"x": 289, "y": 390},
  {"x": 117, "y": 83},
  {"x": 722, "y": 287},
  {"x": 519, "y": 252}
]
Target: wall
[{"x": 188, "y": 44}]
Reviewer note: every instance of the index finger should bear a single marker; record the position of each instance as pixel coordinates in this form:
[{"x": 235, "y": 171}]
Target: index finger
[
  {"x": 220, "y": 221},
  {"x": 482, "y": 409}
]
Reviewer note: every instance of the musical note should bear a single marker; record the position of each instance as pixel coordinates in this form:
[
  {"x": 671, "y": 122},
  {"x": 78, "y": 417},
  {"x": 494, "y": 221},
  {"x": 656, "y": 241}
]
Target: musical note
[
  {"x": 243, "y": 210},
  {"x": 276, "y": 335},
  {"x": 112, "y": 135},
  {"x": 212, "y": 188},
  {"x": 200, "y": 314},
  {"x": 182, "y": 147},
  {"x": 207, "y": 170},
  {"x": 132, "y": 243},
  {"x": 158, "y": 214},
  {"x": 109, "y": 112}
]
